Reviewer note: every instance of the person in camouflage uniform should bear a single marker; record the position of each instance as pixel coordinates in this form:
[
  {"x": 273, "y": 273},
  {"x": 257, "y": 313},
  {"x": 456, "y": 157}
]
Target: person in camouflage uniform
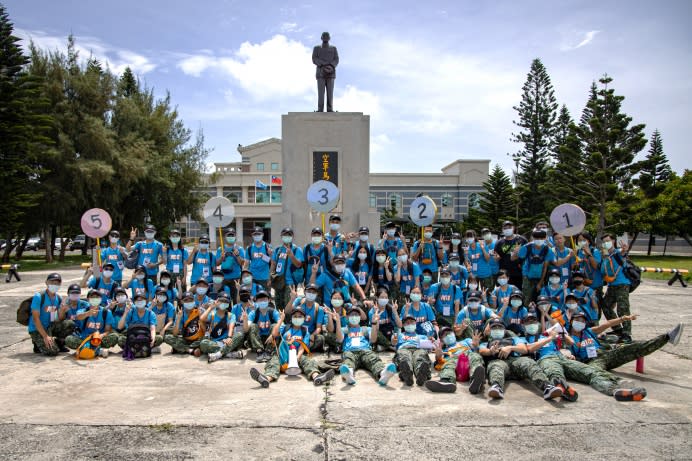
[
  {"x": 507, "y": 358},
  {"x": 447, "y": 356},
  {"x": 48, "y": 325}
]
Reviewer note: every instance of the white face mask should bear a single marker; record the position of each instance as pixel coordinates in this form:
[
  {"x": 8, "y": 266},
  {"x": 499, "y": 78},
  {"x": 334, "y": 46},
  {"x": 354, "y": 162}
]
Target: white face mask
[
  {"x": 445, "y": 280},
  {"x": 316, "y": 240},
  {"x": 470, "y": 240},
  {"x": 410, "y": 327},
  {"x": 497, "y": 333},
  {"x": 554, "y": 280},
  {"x": 473, "y": 286},
  {"x": 578, "y": 326},
  {"x": 94, "y": 301},
  {"x": 74, "y": 296},
  {"x": 108, "y": 274},
  {"x": 121, "y": 299},
  {"x": 149, "y": 235},
  {"x": 256, "y": 238},
  {"x": 572, "y": 306},
  {"x": 140, "y": 304},
  {"x": 488, "y": 237},
  {"x": 362, "y": 256},
  {"x": 581, "y": 243},
  {"x": 139, "y": 276},
  {"x": 175, "y": 239},
  {"x": 203, "y": 246},
  {"x": 403, "y": 259},
  {"x": 531, "y": 328},
  {"x": 287, "y": 239},
  {"x": 165, "y": 282},
  {"x": 217, "y": 280},
  {"x": 336, "y": 302},
  {"x": 354, "y": 319},
  {"x": 391, "y": 232},
  {"x": 608, "y": 245},
  {"x": 382, "y": 302},
  {"x": 335, "y": 226},
  {"x": 298, "y": 321},
  {"x": 454, "y": 264},
  {"x": 427, "y": 235},
  {"x": 508, "y": 232},
  {"x": 230, "y": 240},
  {"x": 380, "y": 259},
  {"x": 339, "y": 268},
  {"x": 473, "y": 305},
  {"x": 516, "y": 303},
  {"x": 539, "y": 242},
  {"x": 161, "y": 298},
  {"x": 456, "y": 241},
  {"x": 311, "y": 296},
  {"x": 502, "y": 282},
  {"x": 364, "y": 237},
  {"x": 53, "y": 288},
  {"x": 247, "y": 280},
  {"x": 201, "y": 290},
  {"x": 113, "y": 239},
  {"x": 416, "y": 297}
]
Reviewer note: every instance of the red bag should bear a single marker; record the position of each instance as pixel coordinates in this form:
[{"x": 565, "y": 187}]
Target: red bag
[{"x": 463, "y": 368}]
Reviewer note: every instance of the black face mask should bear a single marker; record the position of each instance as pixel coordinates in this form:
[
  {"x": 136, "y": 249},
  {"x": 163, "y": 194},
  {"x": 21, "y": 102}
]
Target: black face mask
[
  {"x": 578, "y": 283},
  {"x": 245, "y": 297}
]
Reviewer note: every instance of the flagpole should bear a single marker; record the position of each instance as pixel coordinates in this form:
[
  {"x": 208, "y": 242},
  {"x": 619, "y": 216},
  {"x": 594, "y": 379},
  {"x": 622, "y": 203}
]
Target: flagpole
[{"x": 270, "y": 189}]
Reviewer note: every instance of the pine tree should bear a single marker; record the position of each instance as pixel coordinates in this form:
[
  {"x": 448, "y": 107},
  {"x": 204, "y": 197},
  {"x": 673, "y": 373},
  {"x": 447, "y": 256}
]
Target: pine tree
[
  {"x": 537, "y": 113},
  {"x": 497, "y": 201},
  {"x": 610, "y": 144}
]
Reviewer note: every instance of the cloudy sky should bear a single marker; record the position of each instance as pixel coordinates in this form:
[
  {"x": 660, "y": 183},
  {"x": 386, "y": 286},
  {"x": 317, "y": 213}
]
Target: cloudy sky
[{"x": 438, "y": 78}]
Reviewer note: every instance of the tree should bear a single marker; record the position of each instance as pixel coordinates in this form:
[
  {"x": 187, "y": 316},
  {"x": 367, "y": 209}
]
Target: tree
[
  {"x": 610, "y": 144},
  {"x": 674, "y": 206},
  {"x": 537, "y": 112},
  {"x": 497, "y": 200},
  {"x": 23, "y": 139}
]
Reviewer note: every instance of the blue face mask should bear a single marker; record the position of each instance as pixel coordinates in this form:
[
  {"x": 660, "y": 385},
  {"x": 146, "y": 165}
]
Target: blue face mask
[
  {"x": 223, "y": 306},
  {"x": 450, "y": 340},
  {"x": 298, "y": 321},
  {"x": 410, "y": 328},
  {"x": 189, "y": 306},
  {"x": 262, "y": 304}
]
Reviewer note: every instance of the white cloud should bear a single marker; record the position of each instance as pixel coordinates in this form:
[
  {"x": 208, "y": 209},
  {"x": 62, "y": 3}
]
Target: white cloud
[
  {"x": 354, "y": 100},
  {"x": 586, "y": 38},
  {"x": 275, "y": 68},
  {"x": 117, "y": 59},
  {"x": 288, "y": 27}
]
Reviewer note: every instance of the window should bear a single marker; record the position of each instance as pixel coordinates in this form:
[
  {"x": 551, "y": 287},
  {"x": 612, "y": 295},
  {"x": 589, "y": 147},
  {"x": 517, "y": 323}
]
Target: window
[
  {"x": 395, "y": 202},
  {"x": 474, "y": 201},
  {"x": 276, "y": 196},
  {"x": 447, "y": 200},
  {"x": 373, "y": 201},
  {"x": 262, "y": 196},
  {"x": 275, "y": 166},
  {"x": 260, "y": 166}
]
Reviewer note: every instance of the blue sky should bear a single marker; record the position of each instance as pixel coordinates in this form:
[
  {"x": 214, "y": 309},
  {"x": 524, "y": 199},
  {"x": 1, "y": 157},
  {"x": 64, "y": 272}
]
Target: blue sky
[{"x": 438, "y": 78}]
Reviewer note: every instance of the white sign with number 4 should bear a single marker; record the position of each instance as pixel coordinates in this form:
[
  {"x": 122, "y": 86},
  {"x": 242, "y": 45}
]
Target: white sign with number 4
[{"x": 219, "y": 212}]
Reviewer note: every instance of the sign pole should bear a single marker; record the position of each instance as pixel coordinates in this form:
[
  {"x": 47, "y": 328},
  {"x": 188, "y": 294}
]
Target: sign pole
[
  {"x": 323, "y": 226},
  {"x": 221, "y": 240},
  {"x": 98, "y": 250}
]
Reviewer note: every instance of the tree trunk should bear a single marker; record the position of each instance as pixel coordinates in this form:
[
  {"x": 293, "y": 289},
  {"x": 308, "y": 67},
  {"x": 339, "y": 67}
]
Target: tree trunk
[
  {"x": 665, "y": 245},
  {"x": 8, "y": 249},
  {"x": 50, "y": 245},
  {"x": 61, "y": 258},
  {"x": 20, "y": 249},
  {"x": 651, "y": 242},
  {"x": 687, "y": 238}
]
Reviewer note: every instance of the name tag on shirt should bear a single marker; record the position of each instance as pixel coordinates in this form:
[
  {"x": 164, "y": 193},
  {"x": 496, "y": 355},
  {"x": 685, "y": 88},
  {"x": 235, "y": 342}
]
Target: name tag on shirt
[
  {"x": 361, "y": 278},
  {"x": 176, "y": 268},
  {"x": 474, "y": 267},
  {"x": 446, "y": 310},
  {"x": 565, "y": 271},
  {"x": 355, "y": 341},
  {"x": 266, "y": 258},
  {"x": 146, "y": 260},
  {"x": 205, "y": 272},
  {"x": 591, "y": 352},
  {"x": 121, "y": 265},
  {"x": 279, "y": 267}
]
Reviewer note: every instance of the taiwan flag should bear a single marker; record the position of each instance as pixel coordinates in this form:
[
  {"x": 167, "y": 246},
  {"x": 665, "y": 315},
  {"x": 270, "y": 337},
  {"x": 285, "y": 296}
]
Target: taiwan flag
[{"x": 276, "y": 181}]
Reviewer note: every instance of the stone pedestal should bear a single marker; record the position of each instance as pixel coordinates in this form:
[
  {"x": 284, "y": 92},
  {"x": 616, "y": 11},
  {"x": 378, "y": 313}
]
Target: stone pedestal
[{"x": 348, "y": 135}]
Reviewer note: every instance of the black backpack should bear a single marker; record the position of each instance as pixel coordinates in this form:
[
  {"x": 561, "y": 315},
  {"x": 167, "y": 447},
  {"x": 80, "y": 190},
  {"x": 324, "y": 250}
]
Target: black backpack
[
  {"x": 132, "y": 258},
  {"x": 24, "y": 309},
  {"x": 137, "y": 342},
  {"x": 630, "y": 270}
]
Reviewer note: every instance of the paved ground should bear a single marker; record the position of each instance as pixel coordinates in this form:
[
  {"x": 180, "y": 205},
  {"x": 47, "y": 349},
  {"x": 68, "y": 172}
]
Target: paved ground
[{"x": 179, "y": 407}]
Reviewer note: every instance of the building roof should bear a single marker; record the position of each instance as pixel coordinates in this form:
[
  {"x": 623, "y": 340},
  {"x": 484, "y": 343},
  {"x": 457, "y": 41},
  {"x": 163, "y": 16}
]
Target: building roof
[{"x": 266, "y": 142}]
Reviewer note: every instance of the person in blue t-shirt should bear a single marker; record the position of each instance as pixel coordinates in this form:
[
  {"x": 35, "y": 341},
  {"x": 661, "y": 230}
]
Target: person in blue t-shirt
[
  {"x": 407, "y": 275},
  {"x": 426, "y": 324},
  {"x": 231, "y": 259},
  {"x": 150, "y": 251},
  {"x": 203, "y": 261},
  {"x": 116, "y": 255},
  {"x": 339, "y": 305},
  {"x": 48, "y": 325},
  {"x": 474, "y": 315},
  {"x": 478, "y": 259},
  {"x": 429, "y": 253},
  {"x": 259, "y": 255},
  {"x": 93, "y": 319},
  {"x": 314, "y": 314},
  {"x": 513, "y": 315},
  {"x": 412, "y": 353},
  {"x": 490, "y": 241},
  {"x": 286, "y": 267},
  {"x": 536, "y": 255},
  {"x": 261, "y": 321},
  {"x": 188, "y": 330},
  {"x": 165, "y": 313},
  {"x": 382, "y": 271},
  {"x": 589, "y": 260},
  {"x": 363, "y": 242},
  {"x": 389, "y": 321},
  {"x": 361, "y": 267},
  {"x": 391, "y": 241},
  {"x": 74, "y": 306},
  {"x": 586, "y": 298},
  {"x": 506, "y": 357},
  {"x": 219, "y": 325},
  {"x": 175, "y": 258},
  {"x": 459, "y": 272},
  {"x": 292, "y": 336},
  {"x": 554, "y": 289},
  {"x": 139, "y": 284},
  {"x": 218, "y": 286},
  {"x": 500, "y": 295},
  {"x": 118, "y": 306},
  {"x": 173, "y": 292},
  {"x": 356, "y": 341},
  {"x": 336, "y": 241},
  {"x": 445, "y": 298},
  {"x": 103, "y": 283},
  {"x": 564, "y": 257},
  {"x": 618, "y": 292},
  {"x": 339, "y": 278},
  {"x": 315, "y": 252},
  {"x": 140, "y": 314},
  {"x": 447, "y": 354}
]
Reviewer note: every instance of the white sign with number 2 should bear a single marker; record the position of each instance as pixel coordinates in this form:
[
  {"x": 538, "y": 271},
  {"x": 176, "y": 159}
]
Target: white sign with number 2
[{"x": 423, "y": 211}]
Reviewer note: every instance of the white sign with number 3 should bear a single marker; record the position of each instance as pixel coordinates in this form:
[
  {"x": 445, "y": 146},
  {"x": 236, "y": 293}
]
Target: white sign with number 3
[
  {"x": 568, "y": 219},
  {"x": 423, "y": 211},
  {"x": 323, "y": 196}
]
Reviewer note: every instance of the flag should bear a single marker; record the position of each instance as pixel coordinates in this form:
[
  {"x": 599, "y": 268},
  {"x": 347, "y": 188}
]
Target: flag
[
  {"x": 260, "y": 185},
  {"x": 276, "y": 181}
]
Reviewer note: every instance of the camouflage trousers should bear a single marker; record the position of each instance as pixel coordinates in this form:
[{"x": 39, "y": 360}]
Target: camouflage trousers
[
  {"x": 445, "y": 321},
  {"x": 273, "y": 368},
  {"x": 257, "y": 341},
  {"x": 449, "y": 369},
  {"x": 365, "y": 359},
  {"x": 517, "y": 368},
  {"x": 618, "y": 297},
  {"x": 529, "y": 288},
  {"x": 282, "y": 296},
  {"x": 625, "y": 353},
  {"x": 601, "y": 380},
  {"x": 108, "y": 340},
  {"x": 209, "y": 346},
  {"x": 180, "y": 344},
  {"x": 58, "y": 330},
  {"x": 122, "y": 339},
  {"x": 414, "y": 357}
]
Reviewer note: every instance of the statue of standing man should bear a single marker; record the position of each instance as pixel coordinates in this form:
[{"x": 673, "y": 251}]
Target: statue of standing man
[{"x": 326, "y": 58}]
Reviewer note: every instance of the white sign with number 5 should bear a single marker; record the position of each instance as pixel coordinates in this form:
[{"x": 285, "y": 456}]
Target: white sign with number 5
[
  {"x": 96, "y": 222},
  {"x": 323, "y": 196},
  {"x": 423, "y": 211},
  {"x": 568, "y": 219}
]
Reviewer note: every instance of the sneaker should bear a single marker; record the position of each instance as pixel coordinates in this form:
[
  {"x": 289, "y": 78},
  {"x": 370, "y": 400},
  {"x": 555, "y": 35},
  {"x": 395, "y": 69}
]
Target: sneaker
[
  {"x": 61, "y": 346},
  {"x": 260, "y": 357},
  {"x": 387, "y": 373},
  {"x": 568, "y": 392},
  {"x": 197, "y": 352},
  {"x": 267, "y": 357},
  {"x": 675, "y": 334},
  {"x": 36, "y": 349},
  {"x": 629, "y": 395},
  {"x": 235, "y": 355},
  {"x": 103, "y": 353},
  {"x": 625, "y": 339},
  {"x": 551, "y": 392},
  {"x": 405, "y": 373},
  {"x": 156, "y": 350},
  {"x": 477, "y": 380},
  {"x": 259, "y": 377},
  {"x": 440, "y": 386},
  {"x": 213, "y": 356},
  {"x": 423, "y": 373},
  {"x": 347, "y": 374},
  {"x": 496, "y": 392},
  {"x": 324, "y": 377}
]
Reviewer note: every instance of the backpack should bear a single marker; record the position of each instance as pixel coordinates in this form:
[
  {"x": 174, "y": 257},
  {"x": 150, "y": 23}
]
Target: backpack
[
  {"x": 537, "y": 258},
  {"x": 219, "y": 328},
  {"x": 24, "y": 309},
  {"x": 89, "y": 348},
  {"x": 132, "y": 258},
  {"x": 388, "y": 328},
  {"x": 137, "y": 342},
  {"x": 630, "y": 270},
  {"x": 193, "y": 329},
  {"x": 463, "y": 368},
  {"x": 114, "y": 286}
]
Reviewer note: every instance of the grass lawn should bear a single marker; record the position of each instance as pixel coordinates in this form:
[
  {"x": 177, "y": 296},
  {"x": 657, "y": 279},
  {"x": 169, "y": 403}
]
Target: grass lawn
[
  {"x": 671, "y": 262},
  {"x": 35, "y": 262}
]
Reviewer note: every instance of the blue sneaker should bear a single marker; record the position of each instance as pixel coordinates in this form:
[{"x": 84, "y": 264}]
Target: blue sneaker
[
  {"x": 387, "y": 373},
  {"x": 347, "y": 374}
]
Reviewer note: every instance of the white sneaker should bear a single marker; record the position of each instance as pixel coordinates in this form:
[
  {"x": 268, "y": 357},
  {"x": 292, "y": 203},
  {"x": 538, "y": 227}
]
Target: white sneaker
[
  {"x": 213, "y": 357},
  {"x": 387, "y": 373},
  {"x": 347, "y": 374},
  {"x": 156, "y": 350},
  {"x": 103, "y": 353}
]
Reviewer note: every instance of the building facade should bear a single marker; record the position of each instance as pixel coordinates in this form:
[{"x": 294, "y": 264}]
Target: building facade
[{"x": 255, "y": 186}]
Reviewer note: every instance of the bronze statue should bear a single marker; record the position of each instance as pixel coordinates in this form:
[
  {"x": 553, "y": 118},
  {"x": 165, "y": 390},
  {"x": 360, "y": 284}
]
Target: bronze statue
[{"x": 326, "y": 58}]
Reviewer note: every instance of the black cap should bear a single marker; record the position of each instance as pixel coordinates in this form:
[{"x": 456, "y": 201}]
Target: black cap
[
  {"x": 164, "y": 272},
  {"x": 139, "y": 295},
  {"x": 174, "y": 231},
  {"x": 455, "y": 234},
  {"x": 539, "y": 234},
  {"x": 338, "y": 258},
  {"x": 530, "y": 316},
  {"x": 204, "y": 281},
  {"x": 578, "y": 314},
  {"x": 114, "y": 233},
  {"x": 261, "y": 294},
  {"x": 150, "y": 227},
  {"x": 204, "y": 237},
  {"x": 554, "y": 271},
  {"x": 230, "y": 231},
  {"x": 408, "y": 316},
  {"x": 485, "y": 230},
  {"x": 93, "y": 292},
  {"x": 577, "y": 274},
  {"x": 444, "y": 331},
  {"x": 445, "y": 270},
  {"x": 244, "y": 289},
  {"x": 257, "y": 230},
  {"x": 140, "y": 268},
  {"x": 217, "y": 272},
  {"x": 74, "y": 288},
  {"x": 543, "y": 299},
  {"x": 108, "y": 265},
  {"x": 286, "y": 231},
  {"x": 454, "y": 256},
  {"x": 335, "y": 217},
  {"x": 475, "y": 294},
  {"x": 507, "y": 223},
  {"x": 223, "y": 295},
  {"x": 187, "y": 295},
  {"x": 312, "y": 286},
  {"x": 298, "y": 310},
  {"x": 389, "y": 225},
  {"x": 495, "y": 322},
  {"x": 571, "y": 295},
  {"x": 517, "y": 294},
  {"x": 161, "y": 290},
  {"x": 352, "y": 308},
  {"x": 54, "y": 276},
  {"x": 363, "y": 230},
  {"x": 316, "y": 230}
]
